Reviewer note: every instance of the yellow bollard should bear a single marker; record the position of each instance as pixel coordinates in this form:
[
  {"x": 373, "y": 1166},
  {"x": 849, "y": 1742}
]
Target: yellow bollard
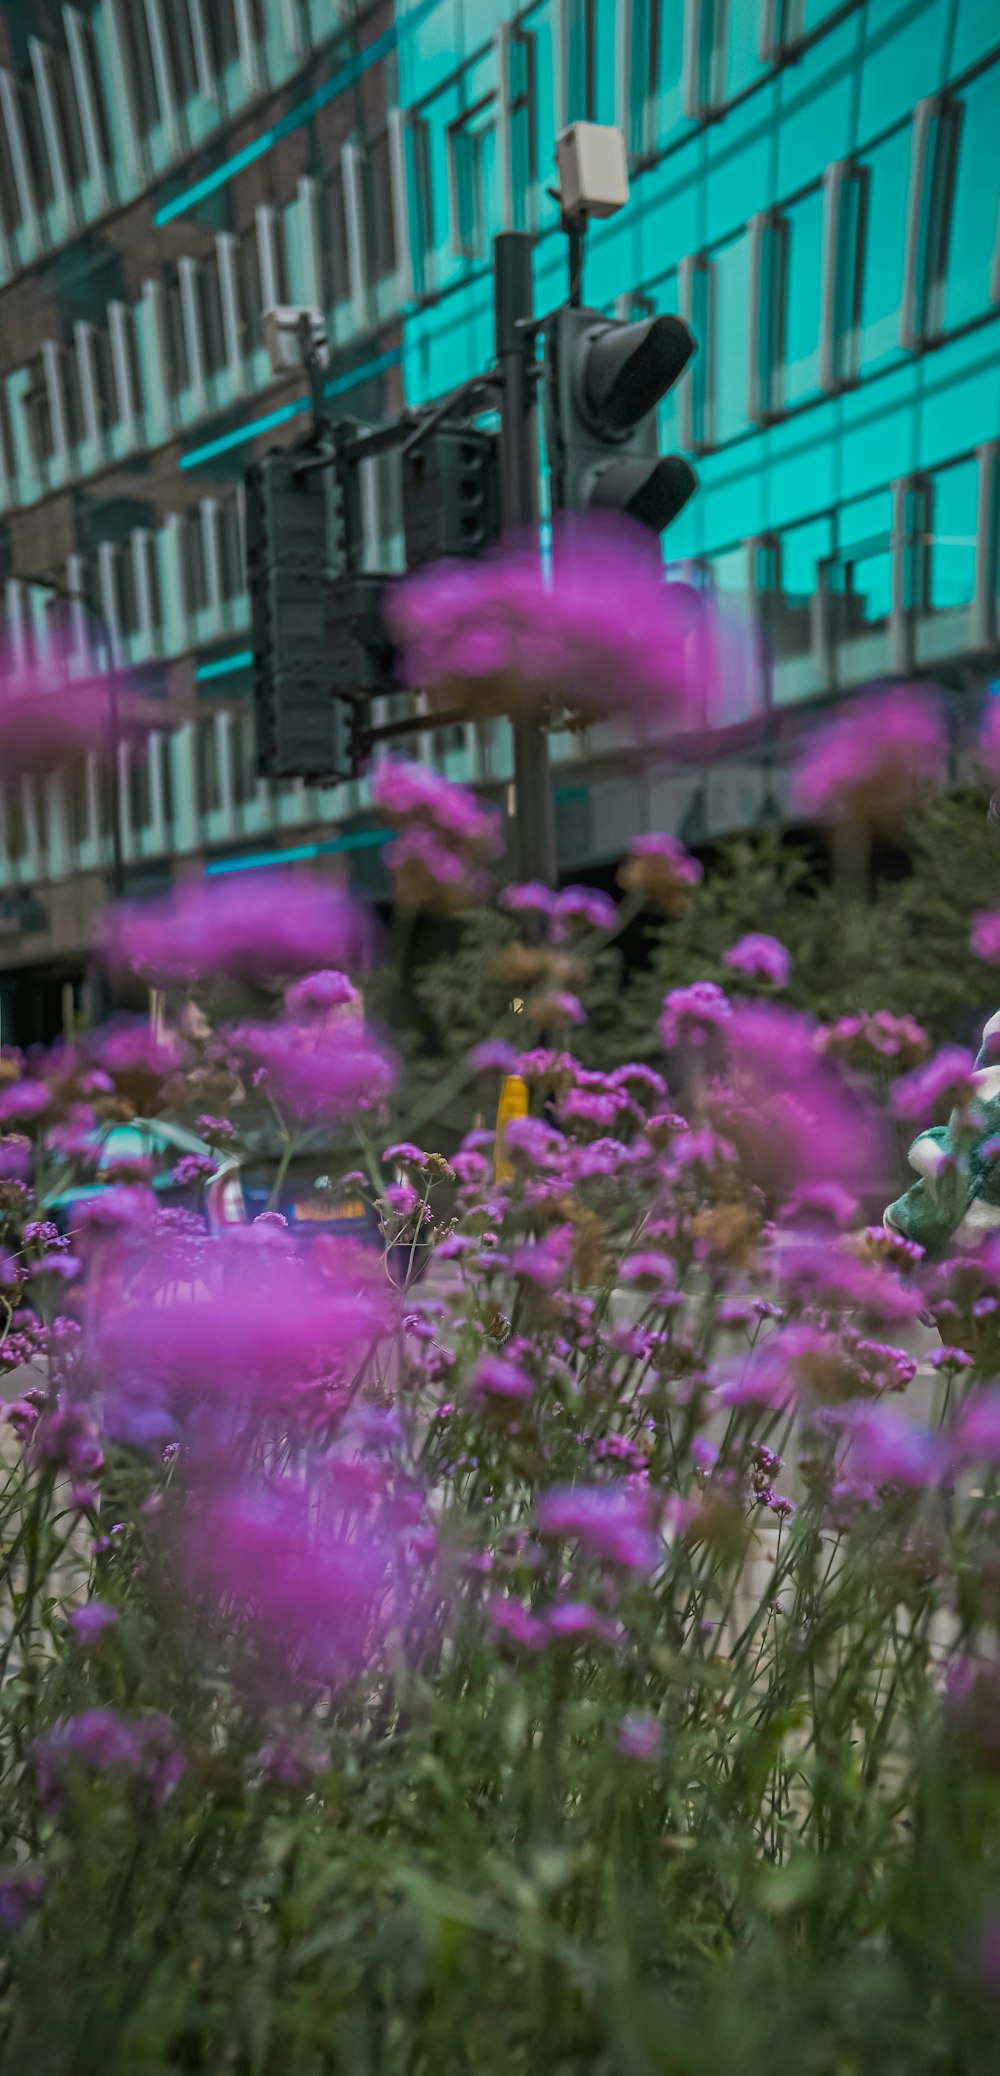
[{"x": 514, "y": 1102}]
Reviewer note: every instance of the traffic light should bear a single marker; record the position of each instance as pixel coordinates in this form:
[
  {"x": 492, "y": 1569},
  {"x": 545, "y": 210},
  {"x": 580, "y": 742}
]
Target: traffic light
[
  {"x": 360, "y": 650},
  {"x": 451, "y": 494},
  {"x": 604, "y": 379},
  {"x": 293, "y": 517}
]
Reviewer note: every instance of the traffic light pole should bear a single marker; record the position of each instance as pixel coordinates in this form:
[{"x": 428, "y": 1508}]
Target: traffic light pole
[{"x": 512, "y": 284}]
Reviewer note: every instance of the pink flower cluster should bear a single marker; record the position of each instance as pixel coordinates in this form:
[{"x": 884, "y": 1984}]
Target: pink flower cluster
[
  {"x": 315, "y": 1074},
  {"x": 986, "y": 936},
  {"x": 601, "y": 632},
  {"x": 50, "y": 718},
  {"x": 142, "y": 1749},
  {"x": 875, "y": 1039},
  {"x": 760, "y": 958},
  {"x": 791, "y": 1117},
  {"x": 610, "y": 1523},
  {"x": 660, "y": 870},
  {"x": 872, "y": 762},
  {"x": 254, "y": 926},
  {"x": 313, "y": 1573},
  {"x": 932, "y": 1091},
  {"x": 584, "y": 907},
  {"x": 445, "y": 835}
]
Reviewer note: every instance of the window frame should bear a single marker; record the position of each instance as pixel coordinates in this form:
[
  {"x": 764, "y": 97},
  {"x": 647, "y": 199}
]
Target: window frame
[{"x": 459, "y": 134}]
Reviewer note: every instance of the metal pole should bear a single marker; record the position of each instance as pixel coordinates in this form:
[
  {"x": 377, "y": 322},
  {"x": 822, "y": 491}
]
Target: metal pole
[
  {"x": 575, "y": 228},
  {"x": 512, "y": 289}
]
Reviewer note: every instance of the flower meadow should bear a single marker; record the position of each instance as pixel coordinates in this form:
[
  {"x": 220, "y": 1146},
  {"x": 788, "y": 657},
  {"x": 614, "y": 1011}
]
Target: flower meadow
[{"x": 556, "y": 1627}]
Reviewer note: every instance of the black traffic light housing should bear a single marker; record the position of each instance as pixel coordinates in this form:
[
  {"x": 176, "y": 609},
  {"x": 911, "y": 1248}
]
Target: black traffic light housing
[
  {"x": 361, "y": 651},
  {"x": 451, "y": 494},
  {"x": 604, "y": 380},
  {"x": 303, "y": 730},
  {"x": 321, "y": 646}
]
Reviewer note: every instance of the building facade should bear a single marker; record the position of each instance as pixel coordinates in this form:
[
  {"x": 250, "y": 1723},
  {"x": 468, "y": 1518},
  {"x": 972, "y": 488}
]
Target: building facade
[
  {"x": 168, "y": 170},
  {"x": 814, "y": 186}
]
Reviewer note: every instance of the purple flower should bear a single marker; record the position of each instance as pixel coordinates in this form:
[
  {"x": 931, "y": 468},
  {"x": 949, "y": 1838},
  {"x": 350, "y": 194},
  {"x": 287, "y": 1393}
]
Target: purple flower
[
  {"x": 402, "y": 1199},
  {"x": 872, "y": 762},
  {"x": 66, "y": 1266},
  {"x": 143, "y": 1747},
  {"x": 526, "y": 898},
  {"x": 315, "y": 1071},
  {"x": 875, "y": 1039},
  {"x": 518, "y": 1625},
  {"x": 639, "y": 1081},
  {"x": 216, "y": 1129},
  {"x": 23, "y": 1101},
  {"x": 546, "y": 1263},
  {"x": 313, "y": 1576},
  {"x": 886, "y": 1448},
  {"x": 256, "y": 926},
  {"x": 500, "y": 1377},
  {"x": 640, "y": 1737},
  {"x": 977, "y": 1434},
  {"x": 321, "y": 994},
  {"x": 193, "y": 1167},
  {"x": 87, "y": 1622},
  {"x": 822, "y": 1204},
  {"x": 533, "y": 1143},
  {"x": 609, "y": 1521},
  {"x": 951, "y": 1359},
  {"x": 586, "y": 905},
  {"x": 652, "y": 1270},
  {"x": 429, "y": 873},
  {"x": 989, "y": 739},
  {"x": 75, "y": 1139},
  {"x": 932, "y": 1091},
  {"x": 602, "y": 631},
  {"x": 691, "y": 1015},
  {"x": 557, "y": 1006},
  {"x": 50, "y": 719},
  {"x": 542, "y": 1065},
  {"x": 570, "y": 1619},
  {"x": 124, "y": 1207},
  {"x": 493, "y": 1056},
  {"x": 883, "y": 1367},
  {"x": 790, "y": 1116},
  {"x": 586, "y": 1106},
  {"x": 253, "y": 1337},
  {"x": 472, "y": 1168},
  {"x": 67, "y": 1435},
  {"x": 413, "y": 796},
  {"x": 986, "y": 935},
  {"x": 760, "y": 958},
  {"x": 15, "y": 1160},
  {"x": 660, "y": 869},
  {"x": 405, "y": 1155},
  {"x": 767, "y": 1377},
  {"x": 128, "y": 1047}
]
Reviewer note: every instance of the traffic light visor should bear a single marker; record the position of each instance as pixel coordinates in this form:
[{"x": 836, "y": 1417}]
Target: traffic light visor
[
  {"x": 652, "y": 492},
  {"x": 627, "y": 368}
]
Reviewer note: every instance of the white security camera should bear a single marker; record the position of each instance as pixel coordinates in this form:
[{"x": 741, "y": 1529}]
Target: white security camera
[
  {"x": 593, "y": 169},
  {"x": 294, "y": 334}
]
